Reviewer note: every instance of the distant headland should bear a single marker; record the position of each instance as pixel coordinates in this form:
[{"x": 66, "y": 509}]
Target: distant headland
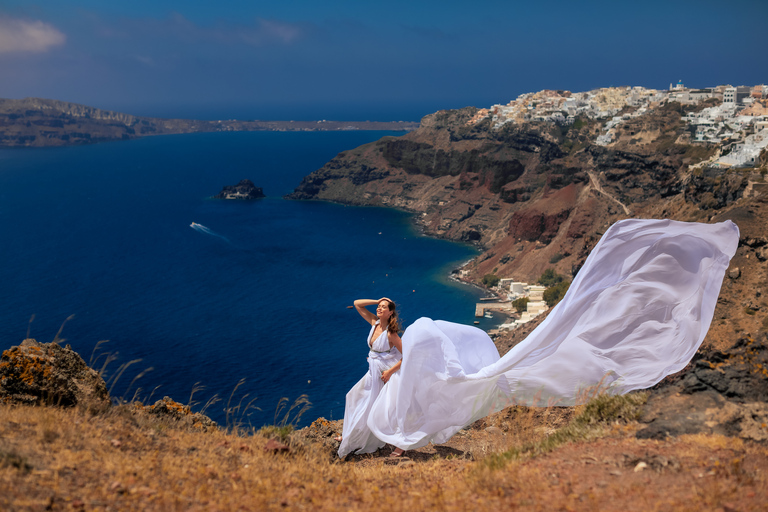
[{"x": 36, "y": 122}]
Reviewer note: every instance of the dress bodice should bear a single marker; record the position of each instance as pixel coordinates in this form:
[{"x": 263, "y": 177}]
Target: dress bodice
[{"x": 381, "y": 343}]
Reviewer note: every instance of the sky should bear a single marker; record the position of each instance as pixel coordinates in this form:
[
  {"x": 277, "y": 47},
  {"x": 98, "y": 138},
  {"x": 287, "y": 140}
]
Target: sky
[{"x": 360, "y": 60}]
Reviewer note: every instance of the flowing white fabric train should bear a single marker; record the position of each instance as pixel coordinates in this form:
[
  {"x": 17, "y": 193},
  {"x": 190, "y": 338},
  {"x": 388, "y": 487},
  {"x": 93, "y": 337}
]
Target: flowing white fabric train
[{"x": 637, "y": 311}]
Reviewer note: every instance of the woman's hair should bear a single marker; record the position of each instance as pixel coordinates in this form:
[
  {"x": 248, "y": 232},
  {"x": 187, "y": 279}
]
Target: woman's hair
[{"x": 394, "y": 321}]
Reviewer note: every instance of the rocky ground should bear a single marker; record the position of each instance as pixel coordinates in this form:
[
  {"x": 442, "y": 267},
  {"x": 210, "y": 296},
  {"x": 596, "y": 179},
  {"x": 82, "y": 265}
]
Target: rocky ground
[{"x": 54, "y": 458}]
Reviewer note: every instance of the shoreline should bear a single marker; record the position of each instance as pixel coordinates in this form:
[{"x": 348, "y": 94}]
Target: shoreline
[
  {"x": 420, "y": 230},
  {"x": 420, "y": 227}
]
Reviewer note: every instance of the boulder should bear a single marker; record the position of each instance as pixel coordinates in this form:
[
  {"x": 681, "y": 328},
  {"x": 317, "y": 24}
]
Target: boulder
[
  {"x": 321, "y": 432},
  {"x": 170, "y": 409},
  {"x": 45, "y": 373}
]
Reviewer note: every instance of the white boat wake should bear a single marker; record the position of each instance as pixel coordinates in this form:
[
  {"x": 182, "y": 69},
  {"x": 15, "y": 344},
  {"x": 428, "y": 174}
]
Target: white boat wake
[{"x": 207, "y": 231}]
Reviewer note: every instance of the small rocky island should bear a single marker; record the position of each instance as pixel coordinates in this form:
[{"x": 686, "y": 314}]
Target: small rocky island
[{"x": 243, "y": 190}]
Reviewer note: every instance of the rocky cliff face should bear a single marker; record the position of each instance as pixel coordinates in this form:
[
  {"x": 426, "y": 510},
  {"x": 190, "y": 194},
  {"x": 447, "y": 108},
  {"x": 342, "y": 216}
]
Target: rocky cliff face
[
  {"x": 534, "y": 196},
  {"x": 527, "y": 194}
]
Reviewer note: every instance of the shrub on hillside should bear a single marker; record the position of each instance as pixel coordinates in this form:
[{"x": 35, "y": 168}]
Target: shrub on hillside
[
  {"x": 554, "y": 294},
  {"x": 520, "y": 304},
  {"x": 550, "y": 278},
  {"x": 491, "y": 280}
]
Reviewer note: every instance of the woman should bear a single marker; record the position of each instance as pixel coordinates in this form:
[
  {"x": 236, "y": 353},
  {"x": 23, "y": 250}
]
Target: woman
[{"x": 384, "y": 360}]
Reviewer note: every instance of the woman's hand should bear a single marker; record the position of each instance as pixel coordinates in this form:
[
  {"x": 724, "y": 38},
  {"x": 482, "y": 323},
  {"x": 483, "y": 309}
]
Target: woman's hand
[{"x": 389, "y": 372}]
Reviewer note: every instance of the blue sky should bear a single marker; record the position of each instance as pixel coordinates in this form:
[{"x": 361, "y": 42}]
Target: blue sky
[{"x": 357, "y": 60}]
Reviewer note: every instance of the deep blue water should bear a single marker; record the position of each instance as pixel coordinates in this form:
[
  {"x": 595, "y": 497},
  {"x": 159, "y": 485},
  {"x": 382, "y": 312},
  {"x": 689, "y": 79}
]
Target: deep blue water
[{"x": 103, "y": 232}]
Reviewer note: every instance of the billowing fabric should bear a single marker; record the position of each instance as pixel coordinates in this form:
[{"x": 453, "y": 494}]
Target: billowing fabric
[
  {"x": 636, "y": 312},
  {"x": 356, "y": 436}
]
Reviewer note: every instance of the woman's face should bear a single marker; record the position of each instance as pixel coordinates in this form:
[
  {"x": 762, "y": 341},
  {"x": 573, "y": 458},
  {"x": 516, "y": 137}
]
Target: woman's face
[{"x": 382, "y": 311}]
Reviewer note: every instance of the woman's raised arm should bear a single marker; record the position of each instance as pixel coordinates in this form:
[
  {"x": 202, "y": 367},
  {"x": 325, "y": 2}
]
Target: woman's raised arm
[{"x": 360, "y": 305}]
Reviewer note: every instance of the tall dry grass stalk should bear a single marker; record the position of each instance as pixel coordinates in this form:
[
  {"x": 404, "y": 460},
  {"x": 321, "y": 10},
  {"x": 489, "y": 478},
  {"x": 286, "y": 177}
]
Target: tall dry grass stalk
[
  {"x": 237, "y": 415},
  {"x": 29, "y": 326},
  {"x": 283, "y": 427},
  {"x": 57, "y": 339}
]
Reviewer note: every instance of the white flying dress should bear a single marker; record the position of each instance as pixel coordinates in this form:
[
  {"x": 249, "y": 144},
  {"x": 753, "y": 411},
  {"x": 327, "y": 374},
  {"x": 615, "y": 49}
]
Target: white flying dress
[{"x": 636, "y": 312}]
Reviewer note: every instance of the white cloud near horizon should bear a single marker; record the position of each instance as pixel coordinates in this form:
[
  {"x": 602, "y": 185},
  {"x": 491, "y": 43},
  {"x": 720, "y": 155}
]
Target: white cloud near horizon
[{"x": 28, "y": 36}]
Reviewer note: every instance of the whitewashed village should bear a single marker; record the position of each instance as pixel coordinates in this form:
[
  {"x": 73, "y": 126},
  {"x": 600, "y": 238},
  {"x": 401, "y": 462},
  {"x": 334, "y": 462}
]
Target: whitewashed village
[
  {"x": 736, "y": 123},
  {"x": 739, "y": 123}
]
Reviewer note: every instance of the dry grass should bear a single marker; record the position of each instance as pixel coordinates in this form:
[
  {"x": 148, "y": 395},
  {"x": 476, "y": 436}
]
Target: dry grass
[
  {"x": 591, "y": 422},
  {"x": 69, "y": 459}
]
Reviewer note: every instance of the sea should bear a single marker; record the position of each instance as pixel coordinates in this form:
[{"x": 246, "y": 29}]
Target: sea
[{"x": 238, "y": 316}]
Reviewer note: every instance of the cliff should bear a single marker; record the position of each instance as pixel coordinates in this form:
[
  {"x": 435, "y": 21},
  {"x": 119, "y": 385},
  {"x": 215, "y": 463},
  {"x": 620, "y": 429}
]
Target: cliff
[
  {"x": 513, "y": 190},
  {"x": 36, "y": 122},
  {"x": 534, "y": 195}
]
